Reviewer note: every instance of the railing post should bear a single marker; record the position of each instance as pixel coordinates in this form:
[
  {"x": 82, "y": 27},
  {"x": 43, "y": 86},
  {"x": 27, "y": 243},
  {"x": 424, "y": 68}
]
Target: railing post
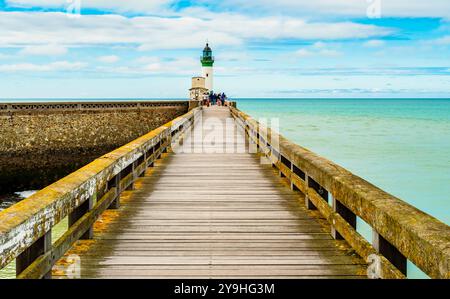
[
  {"x": 145, "y": 163},
  {"x": 310, "y": 183},
  {"x": 150, "y": 153},
  {"x": 345, "y": 213},
  {"x": 38, "y": 248},
  {"x": 133, "y": 174},
  {"x": 164, "y": 149},
  {"x": 115, "y": 183},
  {"x": 308, "y": 203},
  {"x": 252, "y": 145},
  {"x": 293, "y": 187},
  {"x": 159, "y": 149},
  {"x": 389, "y": 251},
  {"x": 257, "y": 140},
  {"x": 79, "y": 212}
]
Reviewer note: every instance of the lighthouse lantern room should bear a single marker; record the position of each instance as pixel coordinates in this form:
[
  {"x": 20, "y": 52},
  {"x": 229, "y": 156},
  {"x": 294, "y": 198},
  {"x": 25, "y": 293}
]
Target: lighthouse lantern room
[{"x": 207, "y": 61}]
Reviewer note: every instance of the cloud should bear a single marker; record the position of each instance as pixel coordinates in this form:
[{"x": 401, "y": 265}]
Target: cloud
[
  {"x": 147, "y": 59},
  {"x": 353, "y": 8},
  {"x": 304, "y": 53},
  {"x": 149, "y": 6},
  {"x": 344, "y": 91},
  {"x": 442, "y": 41},
  {"x": 154, "y": 66},
  {"x": 109, "y": 59},
  {"x": 149, "y": 33},
  {"x": 181, "y": 66},
  {"x": 5, "y": 56},
  {"x": 330, "y": 53},
  {"x": 343, "y": 8},
  {"x": 234, "y": 56},
  {"x": 368, "y": 71},
  {"x": 51, "y": 67},
  {"x": 319, "y": 45},
  {"x": 375, "y": 43},
  {"x": 44, "y": 50},
  {"x": 318, "y": 49}
]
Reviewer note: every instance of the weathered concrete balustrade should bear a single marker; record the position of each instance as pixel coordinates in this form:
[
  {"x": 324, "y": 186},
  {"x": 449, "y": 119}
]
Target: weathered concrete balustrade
[
  {"x": 400, "y": 231},
  {"x": 25, "y": 228},
  {"x": 43, "y": 142}
]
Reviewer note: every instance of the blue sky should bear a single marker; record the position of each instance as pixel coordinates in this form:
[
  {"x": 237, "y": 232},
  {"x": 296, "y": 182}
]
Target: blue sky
[{"x": 296, "y": 48}]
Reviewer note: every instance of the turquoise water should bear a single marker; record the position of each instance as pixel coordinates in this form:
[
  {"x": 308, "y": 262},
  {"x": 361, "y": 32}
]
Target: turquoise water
[{"x": 402, "y": 146}]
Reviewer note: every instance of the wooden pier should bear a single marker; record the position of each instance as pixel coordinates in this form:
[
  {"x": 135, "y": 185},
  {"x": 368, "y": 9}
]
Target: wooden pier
[
  {"x": 214, "y": 215},
  {"x": 214, "y": 194}
]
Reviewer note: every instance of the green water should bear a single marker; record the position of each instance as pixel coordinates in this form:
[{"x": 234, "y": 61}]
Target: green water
[
  {"x": 402, "y": 146},
  {"x": 58, "y": 230}
]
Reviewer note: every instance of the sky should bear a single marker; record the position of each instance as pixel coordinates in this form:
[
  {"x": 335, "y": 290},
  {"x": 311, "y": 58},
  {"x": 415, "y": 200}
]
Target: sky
[{"x": 283, "y": 48}]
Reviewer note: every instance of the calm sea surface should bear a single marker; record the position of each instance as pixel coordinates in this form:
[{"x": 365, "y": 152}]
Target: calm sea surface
[{"x": 402, "y": 146}]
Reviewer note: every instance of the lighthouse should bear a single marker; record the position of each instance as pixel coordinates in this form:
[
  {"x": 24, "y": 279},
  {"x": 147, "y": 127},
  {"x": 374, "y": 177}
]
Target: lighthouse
[{"x": 207, "y": 61}]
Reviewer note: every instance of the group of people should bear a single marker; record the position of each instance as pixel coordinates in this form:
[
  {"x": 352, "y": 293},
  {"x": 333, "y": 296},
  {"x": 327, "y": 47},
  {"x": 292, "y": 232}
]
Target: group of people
[{"x": 219, "y": 99}]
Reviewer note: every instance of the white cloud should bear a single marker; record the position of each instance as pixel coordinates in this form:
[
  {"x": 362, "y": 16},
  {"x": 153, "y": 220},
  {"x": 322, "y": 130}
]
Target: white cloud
[
  {"x": 5, "y": 56},
  {"x": 44, "y": 50},
  {"x": 149, "y": 65},
  {"x": 319, "y": 45},
  {"x": 375, "y": 43},
  {"x": 109, "y": 59},
  {"x": 443, "y": 40},
  {"x": 147, "y": 59},
  {"x": 357, "y": 8},
  {"x": 303, "y": 53},
  {"x": 153, "y": 67},
  {"x": 54, "y": 66},
  {"x": 330, "y": 53},
  {"x": 148, "y": 33},
  {"x": 235, "y": 56},
  {"x": 353, "y": 8},
  {"x": 149, "y": 6},
  {"x": 181, "y": 66},
  {"x": 318, "y": 49}
]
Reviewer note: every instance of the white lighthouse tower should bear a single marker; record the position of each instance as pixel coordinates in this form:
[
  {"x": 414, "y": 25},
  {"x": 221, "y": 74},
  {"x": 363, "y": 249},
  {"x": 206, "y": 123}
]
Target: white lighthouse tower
[{"x": 207, "y": 67}]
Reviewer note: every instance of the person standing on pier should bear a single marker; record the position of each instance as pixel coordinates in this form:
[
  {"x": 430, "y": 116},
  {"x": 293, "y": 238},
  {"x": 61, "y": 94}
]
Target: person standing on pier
[
  {"x": 213, "y": 98},
  {"x": 206, "y": 99},
  {"x": 219, "y": 100}
]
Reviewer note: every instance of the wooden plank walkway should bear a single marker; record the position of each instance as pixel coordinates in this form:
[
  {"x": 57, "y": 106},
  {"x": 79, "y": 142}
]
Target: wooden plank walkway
[{"x": 213, "y": 215}]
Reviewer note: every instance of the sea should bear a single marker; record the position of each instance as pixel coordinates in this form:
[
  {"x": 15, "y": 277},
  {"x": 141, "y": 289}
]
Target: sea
[{"x": 399, "y": 145}]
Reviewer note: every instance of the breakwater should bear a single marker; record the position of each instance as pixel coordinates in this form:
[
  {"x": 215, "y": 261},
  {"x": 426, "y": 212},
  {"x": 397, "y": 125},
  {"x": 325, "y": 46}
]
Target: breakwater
[{"x": 42, "y": 142}]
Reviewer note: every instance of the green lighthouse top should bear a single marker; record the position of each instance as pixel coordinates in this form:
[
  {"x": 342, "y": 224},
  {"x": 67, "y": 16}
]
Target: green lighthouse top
[{"x": 207, "y": 59}]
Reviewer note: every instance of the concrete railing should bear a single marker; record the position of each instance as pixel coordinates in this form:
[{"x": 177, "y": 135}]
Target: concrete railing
[
  {"x": 86, "y": 106},
  {"x": 400, "y": 231},
  {"x": 40, "y": 142},
  {"x": 25, "y": 228}
]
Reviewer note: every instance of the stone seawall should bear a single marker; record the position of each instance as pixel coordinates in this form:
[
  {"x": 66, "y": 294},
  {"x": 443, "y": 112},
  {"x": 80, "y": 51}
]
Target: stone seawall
[{"x": 42, "y": 142}]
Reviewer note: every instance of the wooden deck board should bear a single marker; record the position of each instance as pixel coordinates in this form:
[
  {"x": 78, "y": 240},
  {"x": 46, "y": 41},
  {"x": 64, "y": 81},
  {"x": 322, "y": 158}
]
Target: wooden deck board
[{"x": 213, "y": 215}]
